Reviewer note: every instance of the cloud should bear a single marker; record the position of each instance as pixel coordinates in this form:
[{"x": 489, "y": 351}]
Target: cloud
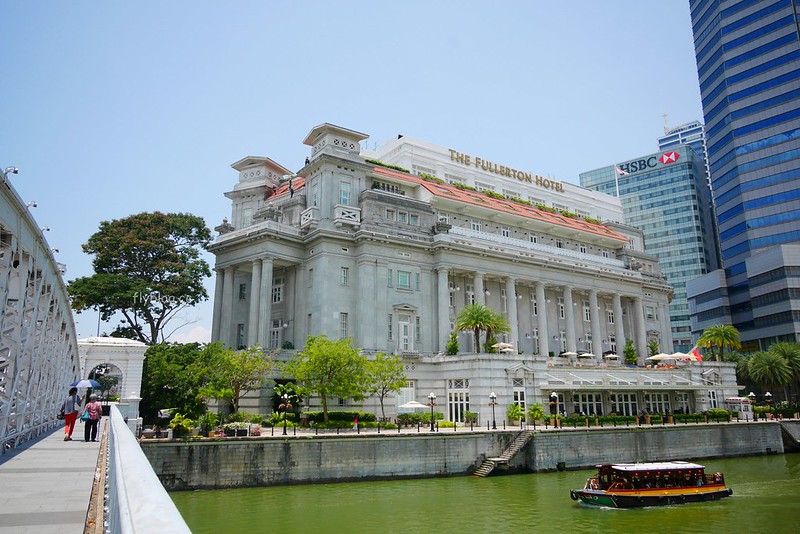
[{"x": 198, "y": 334}]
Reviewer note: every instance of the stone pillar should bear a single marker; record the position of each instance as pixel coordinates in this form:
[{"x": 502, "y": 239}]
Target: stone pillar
[
  {"x": 569, "y": 312},
  {"x": 597, "y": 332},
  {"x": 226, "y": 333},
  {"x": 619, "y": 326},
  {"x": 255, "y": 293},
  {"x": 367, "y": 322},
  {"x": 265, "y": 303},
  {"x": 443, "y": 307},
  {"x": 511, "y": 305},
  {"x": 640, "y": 340},
  {"x": 541, "y": 320},
  {"x": 215, "y": 324},
  {"x": 480, "y": 296}
]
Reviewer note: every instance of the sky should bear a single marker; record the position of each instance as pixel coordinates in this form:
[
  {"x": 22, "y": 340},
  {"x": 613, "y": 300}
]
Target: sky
[{"x": 114, "y": 108}]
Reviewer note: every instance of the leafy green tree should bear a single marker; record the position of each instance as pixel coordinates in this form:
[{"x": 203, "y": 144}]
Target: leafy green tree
[
  {"x": 631, "y": 358},
  {"x": 231, "y": 373},
  {"x": 452, "y": 344},
  {"x": 653, "y": 347},
  {"x": 148, "y": 268},
  {"x": 329, "y": 369},
  {"x": 717, "y": 337},
  {"x": 479, "y": 318},
  {"x": 770, "y": 370},
  {"x": 386, "y": 375},
  {"x": 169, "y": 380}
]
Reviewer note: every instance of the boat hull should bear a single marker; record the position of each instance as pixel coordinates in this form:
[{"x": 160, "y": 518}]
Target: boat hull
[{"x": 634, "y": 499}]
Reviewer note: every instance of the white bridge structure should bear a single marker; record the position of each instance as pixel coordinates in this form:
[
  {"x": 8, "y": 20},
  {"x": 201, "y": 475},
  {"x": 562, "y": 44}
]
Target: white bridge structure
[{"x": 38, "y": 344}]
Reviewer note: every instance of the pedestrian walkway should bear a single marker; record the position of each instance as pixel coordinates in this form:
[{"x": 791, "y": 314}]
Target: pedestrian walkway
[{"x": 47, "y": 484}]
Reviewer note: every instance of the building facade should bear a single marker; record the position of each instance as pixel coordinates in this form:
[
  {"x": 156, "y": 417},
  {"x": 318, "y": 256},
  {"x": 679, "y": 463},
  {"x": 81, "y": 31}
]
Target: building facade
[
  {"x": 748, "y": 64},
  {"x": 666, "y": 196},
  {"x": 352, "y": 247}
]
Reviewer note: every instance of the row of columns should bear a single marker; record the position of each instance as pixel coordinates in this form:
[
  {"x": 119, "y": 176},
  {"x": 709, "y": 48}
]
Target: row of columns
[
  {"x": 541, "y": 317},
  {"x": 260, "y": 312}
]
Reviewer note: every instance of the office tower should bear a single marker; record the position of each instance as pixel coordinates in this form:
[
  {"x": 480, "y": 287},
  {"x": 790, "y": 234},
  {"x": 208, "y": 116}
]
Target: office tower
[{"x": 748, "y": 64}]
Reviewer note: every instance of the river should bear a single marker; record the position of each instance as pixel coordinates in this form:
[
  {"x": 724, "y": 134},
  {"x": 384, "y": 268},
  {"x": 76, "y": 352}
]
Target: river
[{"x": 766, "y": 499}]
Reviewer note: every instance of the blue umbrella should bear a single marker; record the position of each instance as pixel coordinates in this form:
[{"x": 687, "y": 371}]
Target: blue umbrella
[{"x": 86, "y": 383}]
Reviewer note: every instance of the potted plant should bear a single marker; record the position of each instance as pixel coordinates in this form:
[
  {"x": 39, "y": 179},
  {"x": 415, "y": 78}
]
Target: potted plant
[
  {"x": 180, "y": 425},
  {"x": 536, "y": 412},
  {"x": 237, "y": 428},
  {"x": 630, "y": 353},
  {"x": 555, "y": 420},
  {"x": 207, "y": 422},
  {"x": 514, "y": 413}
]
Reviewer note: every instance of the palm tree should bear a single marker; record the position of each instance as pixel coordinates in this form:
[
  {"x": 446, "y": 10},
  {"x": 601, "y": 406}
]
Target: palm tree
[
  {"x": 720, "y": 335},
  {"x": 477, "y": 318},
  {"x": 769, "y": 369},
  {"x": 790, "y": 352}
]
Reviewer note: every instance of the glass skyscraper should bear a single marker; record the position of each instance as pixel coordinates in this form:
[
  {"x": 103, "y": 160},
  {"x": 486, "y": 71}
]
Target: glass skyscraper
[
  {"x": 748, "y": 64},
  {"x": 666, "y": 196}
]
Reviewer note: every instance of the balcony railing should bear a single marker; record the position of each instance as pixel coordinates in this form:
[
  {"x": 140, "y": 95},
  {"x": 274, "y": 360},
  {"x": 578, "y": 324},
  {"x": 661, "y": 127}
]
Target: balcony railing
[{"x": 346, "y": 216}]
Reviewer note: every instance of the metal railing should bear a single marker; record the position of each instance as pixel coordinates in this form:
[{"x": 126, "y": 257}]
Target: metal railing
[{"x": 135, "y": 499}]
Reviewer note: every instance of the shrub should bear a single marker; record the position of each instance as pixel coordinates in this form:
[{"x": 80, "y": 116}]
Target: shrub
[
  {"x": 689, "y": 417},
  {"x": 470, "y": 417},
  {"x": 452, "y": 344},
  {"x": 347, "y": 416},
  {"x": 429, "y": 178},
  {"x": 207, "y": 421},
  {"x": 409, "y": 419},
  {"x": 514, "y": 412},
  {"x": 288, "y": 345},
  {"x": 446, "y": 424},
  {"x": 180, "y": 424},
  {"x": 718, "y": 414},
  {"x": 426, "y": 417},
  {"x": 386, "y": 165},
  {"x": 536, "y": 411},
  {"x": 592, "y": 220},
  {"x": 574, "y": 420}
]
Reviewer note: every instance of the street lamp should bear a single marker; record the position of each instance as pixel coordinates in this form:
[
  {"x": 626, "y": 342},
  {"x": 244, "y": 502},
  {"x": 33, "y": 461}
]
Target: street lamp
[
  {"x": 554, "y": 403},
  {"x": 284, "y": 406},
  {"x": 768, "y": 400},
  {"x": 493, "y": 403},
  {"x": 432, "y": 399}
]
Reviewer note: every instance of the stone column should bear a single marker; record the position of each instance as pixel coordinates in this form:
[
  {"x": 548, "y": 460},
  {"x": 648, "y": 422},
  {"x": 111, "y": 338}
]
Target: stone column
[
  {"x": 226, "y": 333},
  {"x": 367, "y": 321},
  {"x": 443, "y": 307},
  {"x": 541, "y": 320},
  {"x": 265, "y": 303},
  {"x": 597, "y": 332},
  {"x": 255, "y": 293},
  {"x": 640, "y": 340},
  {"x": 480, "y": 296},
  {"x": 215, "y": 324},
  {"x": 511, "y": 305},
  {"x": 619, "y": 326},
  {"x": 569, "y": 312}
]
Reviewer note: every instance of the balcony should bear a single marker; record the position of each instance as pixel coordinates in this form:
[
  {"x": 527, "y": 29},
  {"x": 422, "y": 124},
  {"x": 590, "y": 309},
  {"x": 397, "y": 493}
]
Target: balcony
[
  {"x": 346, "y": 216},
  {"x": 309, "y": 218}
]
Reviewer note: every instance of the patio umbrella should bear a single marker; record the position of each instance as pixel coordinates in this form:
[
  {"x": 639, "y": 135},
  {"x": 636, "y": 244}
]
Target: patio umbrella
[
  {"x": 506, "y": 349},
  {"x": 86, "y": 383},
  {"x": 412, "y": 405},
  {"x": 586, "y": 355},
  {"x": 611, "y": 356},
  {"x": 660, "y": 357},
  {"x": 568, "y": 354},
  {"x": 503, "y": 346}
]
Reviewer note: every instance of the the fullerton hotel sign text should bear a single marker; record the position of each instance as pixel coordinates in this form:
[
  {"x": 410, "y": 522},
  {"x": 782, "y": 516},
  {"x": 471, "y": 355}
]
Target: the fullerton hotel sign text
[{"x": 502, "y": 170}]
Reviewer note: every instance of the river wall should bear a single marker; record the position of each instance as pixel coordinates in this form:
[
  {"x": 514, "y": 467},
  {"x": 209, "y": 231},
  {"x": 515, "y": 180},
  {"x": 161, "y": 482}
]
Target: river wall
[{"x": 267, "y": 461}]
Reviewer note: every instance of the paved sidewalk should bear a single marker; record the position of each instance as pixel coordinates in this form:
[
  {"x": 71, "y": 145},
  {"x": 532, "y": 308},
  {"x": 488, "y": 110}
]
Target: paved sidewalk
[{"x": 46, "y": 485}]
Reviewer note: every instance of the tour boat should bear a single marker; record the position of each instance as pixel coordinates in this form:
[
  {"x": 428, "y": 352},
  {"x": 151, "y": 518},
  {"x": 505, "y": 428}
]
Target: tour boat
[{"x": 651, "y": 484}]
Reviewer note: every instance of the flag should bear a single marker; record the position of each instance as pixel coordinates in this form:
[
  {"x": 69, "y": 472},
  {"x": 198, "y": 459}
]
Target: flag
[
  {"x": 696, "y": 353},
  {"x": 621, "y": 172}
]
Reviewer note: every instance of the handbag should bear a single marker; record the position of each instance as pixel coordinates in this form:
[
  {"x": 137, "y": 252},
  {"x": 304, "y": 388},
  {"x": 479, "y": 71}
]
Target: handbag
[
  {"x": 60, "y": 414},
  {"x": 85, "y": 416}
]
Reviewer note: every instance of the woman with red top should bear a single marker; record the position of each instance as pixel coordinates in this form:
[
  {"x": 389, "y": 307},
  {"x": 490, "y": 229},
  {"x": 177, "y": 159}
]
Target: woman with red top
[
  {"x": 95, "y": 411},
  {"x": 70, "y": 407}
]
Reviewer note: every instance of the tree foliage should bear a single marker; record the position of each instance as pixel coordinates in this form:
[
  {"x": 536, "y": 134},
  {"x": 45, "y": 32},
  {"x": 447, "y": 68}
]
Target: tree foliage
[
  {"x": 170, "y": 380},
  {"x": 717, "y": 337},
  {"x": 769, "y": 369},
  {"x": 629, "y": 352},
  {"x": 147, "y": 267},
  {"x": 329, "y": 369},
  {"x": 386, "y": 375},
  {"x": 478, "y": 318},
  {"x": 229, "y": 374}
]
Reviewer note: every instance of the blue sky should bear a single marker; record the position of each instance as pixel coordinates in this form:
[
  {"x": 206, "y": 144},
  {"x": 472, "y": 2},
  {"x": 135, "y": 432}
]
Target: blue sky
[{"x": 113, "y": 108}]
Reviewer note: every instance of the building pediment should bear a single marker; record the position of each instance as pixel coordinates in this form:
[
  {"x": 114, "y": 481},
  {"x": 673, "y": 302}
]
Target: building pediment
[{"x": 405, "y": 307}]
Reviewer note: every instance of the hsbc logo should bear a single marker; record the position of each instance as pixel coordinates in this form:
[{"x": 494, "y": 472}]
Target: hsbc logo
[
  {"x": 669, "y": 157},
  {"x": 648, "y": 163}
]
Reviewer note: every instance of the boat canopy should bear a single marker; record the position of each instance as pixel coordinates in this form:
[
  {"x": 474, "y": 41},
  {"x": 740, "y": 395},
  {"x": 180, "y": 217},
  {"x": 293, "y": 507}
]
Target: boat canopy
[{"x": 656, "y": 466}]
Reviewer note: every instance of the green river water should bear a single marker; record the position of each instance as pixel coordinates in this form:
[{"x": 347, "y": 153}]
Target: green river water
[{"x": 766, "y": 499}]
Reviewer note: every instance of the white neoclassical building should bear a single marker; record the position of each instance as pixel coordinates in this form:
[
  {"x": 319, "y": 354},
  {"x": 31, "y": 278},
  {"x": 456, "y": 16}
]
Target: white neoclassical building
[{"x": 386, "y": 247}]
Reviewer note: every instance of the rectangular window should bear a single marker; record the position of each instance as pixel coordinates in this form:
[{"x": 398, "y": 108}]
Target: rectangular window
[
  {"x": 240, "y": 336},
  {"x": 277, "y": 290},
  {"x": 582, "y": 249},
  {"x": 535, "y": 335},
  {"x": 561, "y": 313},
  {"x": 413, "y": 218},
  {"x": 390, "y": 214},
  {"x": 475, "y": 225},
  {"x": 310, "y": 281},
  {"x": 505, "y": 231},
  {"x": 275, "y": 335},
  {"x": 587, "y": 312},
  {"x": 610, "y": 315},
  {"x": 247, "y": 217},
  {"x": 403, "y": 280},
  {"x": 589, "y": 343},
  {"x": 534, "y": 306},
  {"x": 242, "y": 291},
  {"x": 402, "y": 217},
  {"x": 559, "y": 243},
  {"x": 612, "y": 344},
  {"x": 416, "y": 281},
  {"x": 650, "y": 313},
  {"x": 314, "y": 191},
  {"x": 605, "y": 253},
  {"x": 345, "y": 276},
  {"x": 343, "y": 334},
  {"x": 470, "y": 291},
  {"x": 389, "y": 328},
  {"x": 534, "y": 239},
  {"x": 452, "y": 298},
  {"x": 588, "y": 403},
  {"x": 344, "y": 193},
  {"x": 443, "y": 218},
  {"x": 563, "y": 340},
  {"x": 417, "y": 329},
  {"x": 503, "y": 301},
  {"x": 390, "y": 278}
]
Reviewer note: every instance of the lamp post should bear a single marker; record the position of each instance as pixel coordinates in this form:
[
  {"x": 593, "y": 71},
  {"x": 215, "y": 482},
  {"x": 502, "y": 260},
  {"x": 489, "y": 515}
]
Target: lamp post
[
  {"x": 752, "y": 397},
  {"x": 432, "y": 399},
  {"x": 554, "y": 403},
  {"x": 768, "y": 400},
  {"x": 493, "y": 403},
  {"x": 284, "y": 406}
]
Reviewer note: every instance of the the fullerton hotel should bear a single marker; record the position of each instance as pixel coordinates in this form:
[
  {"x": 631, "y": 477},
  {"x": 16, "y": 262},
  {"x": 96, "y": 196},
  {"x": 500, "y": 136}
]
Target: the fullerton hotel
[{"x": 387, "y": 247}]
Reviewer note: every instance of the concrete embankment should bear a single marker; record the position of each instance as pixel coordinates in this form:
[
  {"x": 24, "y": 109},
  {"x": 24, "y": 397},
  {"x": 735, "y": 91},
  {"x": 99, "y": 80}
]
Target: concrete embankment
[{"x": 185, "y": 465}]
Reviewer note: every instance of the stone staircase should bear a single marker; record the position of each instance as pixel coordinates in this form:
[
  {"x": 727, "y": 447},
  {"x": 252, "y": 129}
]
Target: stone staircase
[{"x": 488, "y": 464}]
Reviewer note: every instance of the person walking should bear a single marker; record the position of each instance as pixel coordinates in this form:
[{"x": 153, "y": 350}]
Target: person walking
[
  {"x": 95, "y": 411},
  {"x": 70, "y": 407}
]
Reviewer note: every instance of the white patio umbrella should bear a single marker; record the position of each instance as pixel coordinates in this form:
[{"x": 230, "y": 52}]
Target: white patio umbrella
[
  {"x": 412, "y": 405},
  {"x": 570, "y": 353},
  {"x": 660, "y": 357},
  {"x": 503, "y": 345}
]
